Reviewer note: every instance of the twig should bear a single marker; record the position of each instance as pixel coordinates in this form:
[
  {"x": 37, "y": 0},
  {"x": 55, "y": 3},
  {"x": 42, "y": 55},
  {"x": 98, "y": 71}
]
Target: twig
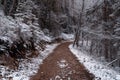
[{"x": 112, "y": 62}]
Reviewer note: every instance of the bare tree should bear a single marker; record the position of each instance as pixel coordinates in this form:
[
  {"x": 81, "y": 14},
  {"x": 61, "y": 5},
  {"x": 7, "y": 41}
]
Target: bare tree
[{"x": 77, "y": 34}]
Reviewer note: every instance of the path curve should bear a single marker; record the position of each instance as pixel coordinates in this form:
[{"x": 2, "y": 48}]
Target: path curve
[{"x": 61, "y": 64}]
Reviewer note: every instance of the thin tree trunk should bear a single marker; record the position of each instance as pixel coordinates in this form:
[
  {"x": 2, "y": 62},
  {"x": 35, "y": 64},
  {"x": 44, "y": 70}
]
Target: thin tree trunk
[{"x": 77, "y": 34}]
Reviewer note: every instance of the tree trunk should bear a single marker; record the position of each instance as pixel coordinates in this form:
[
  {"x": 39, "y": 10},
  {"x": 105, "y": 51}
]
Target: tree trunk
[{"x": 77, "y": 34}]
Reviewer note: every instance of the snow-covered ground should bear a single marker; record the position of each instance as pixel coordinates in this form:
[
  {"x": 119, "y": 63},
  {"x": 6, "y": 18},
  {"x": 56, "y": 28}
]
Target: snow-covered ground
[
  {"x": 27, "y": 67},
  {"x": 67, "y": 36},
  {"x": 97, "y": 68}
]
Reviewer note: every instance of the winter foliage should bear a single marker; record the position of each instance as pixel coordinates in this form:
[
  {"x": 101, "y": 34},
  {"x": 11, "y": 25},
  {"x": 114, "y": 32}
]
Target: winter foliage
[{"x": 27, "y": 26}]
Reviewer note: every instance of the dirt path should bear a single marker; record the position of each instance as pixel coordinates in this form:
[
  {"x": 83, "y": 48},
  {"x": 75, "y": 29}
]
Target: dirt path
[{"x": 61, "y": 64}]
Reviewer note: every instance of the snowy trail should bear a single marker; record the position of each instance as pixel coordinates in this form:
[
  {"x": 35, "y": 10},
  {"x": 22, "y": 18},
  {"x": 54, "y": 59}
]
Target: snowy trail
[{"x": 61, "y": 64}]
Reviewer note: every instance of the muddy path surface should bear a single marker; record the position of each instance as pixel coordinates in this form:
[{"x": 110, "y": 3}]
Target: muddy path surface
[{"x": 61, "y": 64}]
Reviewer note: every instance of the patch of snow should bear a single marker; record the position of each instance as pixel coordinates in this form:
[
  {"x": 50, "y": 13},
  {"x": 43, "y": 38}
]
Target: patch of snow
[
  {"x": 63, "y": 63},
  {"x": 100, "y": 71},
  {"x": 118, "y": 29},
  {"x": 118, "y": 77},
  {"x": 67, "y": 36},
  {"x": 58, "y": 77}
]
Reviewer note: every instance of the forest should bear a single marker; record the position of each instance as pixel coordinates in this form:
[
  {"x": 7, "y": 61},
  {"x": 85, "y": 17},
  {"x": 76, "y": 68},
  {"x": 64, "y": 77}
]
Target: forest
[{"x": 49, "y": 39}]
